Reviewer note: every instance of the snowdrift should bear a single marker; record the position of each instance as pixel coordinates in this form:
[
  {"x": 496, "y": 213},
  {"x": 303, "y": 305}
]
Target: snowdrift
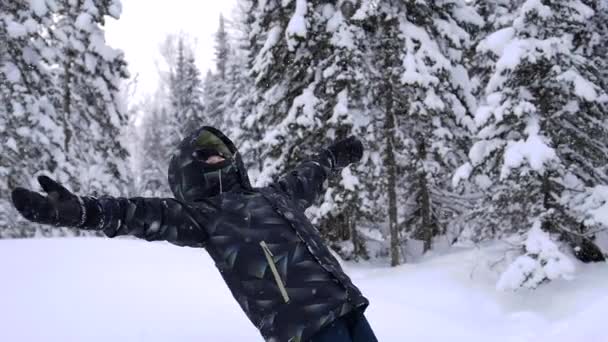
[{"x": 90, "y": 289}]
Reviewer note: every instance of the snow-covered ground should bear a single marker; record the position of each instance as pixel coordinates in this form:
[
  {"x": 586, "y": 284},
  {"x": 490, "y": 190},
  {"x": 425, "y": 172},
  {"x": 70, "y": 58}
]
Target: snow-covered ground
[{"x": 124, "y": 290}]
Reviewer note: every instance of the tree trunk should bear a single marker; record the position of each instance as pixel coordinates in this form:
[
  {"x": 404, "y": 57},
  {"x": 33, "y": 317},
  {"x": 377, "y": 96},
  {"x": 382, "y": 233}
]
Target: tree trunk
[
  {"x": 391, "y": 167},
  {"x": 67, "y": 106},
  {"x": 354, "y": 237},
  {"x": 360, "y": 251},
  {"x": 427, "y": 229}
]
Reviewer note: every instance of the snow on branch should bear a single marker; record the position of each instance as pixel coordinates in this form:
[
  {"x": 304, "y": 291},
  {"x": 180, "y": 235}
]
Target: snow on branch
[{"x": 296, "y": 29}]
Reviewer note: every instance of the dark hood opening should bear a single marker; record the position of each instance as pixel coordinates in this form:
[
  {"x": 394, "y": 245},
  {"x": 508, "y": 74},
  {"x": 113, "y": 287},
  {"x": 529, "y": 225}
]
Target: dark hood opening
[{"x": 192, "y": 180}]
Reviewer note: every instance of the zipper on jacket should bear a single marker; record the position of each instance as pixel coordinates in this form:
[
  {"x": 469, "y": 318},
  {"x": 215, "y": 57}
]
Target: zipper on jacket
[
  {"x": 220, "y": 181},
  {"x": 275, "y": 272}
]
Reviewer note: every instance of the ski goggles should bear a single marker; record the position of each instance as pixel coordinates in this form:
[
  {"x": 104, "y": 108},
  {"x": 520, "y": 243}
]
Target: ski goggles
[{"x": 208, "y": 144}]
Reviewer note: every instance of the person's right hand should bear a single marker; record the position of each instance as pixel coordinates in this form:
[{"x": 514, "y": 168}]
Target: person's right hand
[{"x": 58, "y": 207}]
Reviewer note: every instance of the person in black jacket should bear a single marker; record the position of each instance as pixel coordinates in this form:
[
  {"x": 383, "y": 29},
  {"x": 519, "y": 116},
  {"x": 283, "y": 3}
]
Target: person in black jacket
[{"x": 272, "y": 258}]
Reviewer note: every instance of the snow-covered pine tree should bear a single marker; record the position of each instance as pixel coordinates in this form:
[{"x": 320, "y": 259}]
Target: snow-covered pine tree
[
  {"x": 194, "y": 107},
  {"x": 88, "y": 77},
  {"x": 344, "y": 110},
  {"x": 238, "y": 82},
  {"x": 32, "y": 134},
  {"x": 481, "y": 61},
  {"x": 186, "y": 89},
  {"x": 222, "y": 48},
  {"x": 280, "y": 75},
  {"x": 216, "y": 87},
  {"x": 175, "y": 109},
  {"x": 599, "y": 25},
  {"x": 154, "y": 148},
  {"x": 306, "y": 61},
  {"x": 239, "y": 98},
  {"x": 62, "y": 97},
  {"x": 386, "y": 49},
  {"x": 214, "y": 96},
  {"x": 496, "y": 14},
  {"x": 542, "y": 132},
  {"x": 426, "y": 104}
]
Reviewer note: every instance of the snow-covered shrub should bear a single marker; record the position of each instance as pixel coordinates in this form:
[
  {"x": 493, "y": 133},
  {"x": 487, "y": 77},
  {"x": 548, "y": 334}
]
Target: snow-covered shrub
[{"x": 542, "y": 262}]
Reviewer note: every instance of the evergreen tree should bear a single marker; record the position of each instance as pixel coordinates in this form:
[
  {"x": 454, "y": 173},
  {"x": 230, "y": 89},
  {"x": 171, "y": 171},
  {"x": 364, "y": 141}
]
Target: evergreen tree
[
  {"x": 272, "y": 68},
  {"x": 214, "y": 97},
  {"x": 155, "y": 148},
  {"x": 599, "y": 39},
  {"x": 237, "y": 78},
  {"x": 344, "y": 110},
  {"x": 31, "y": 130},
  {"x": 222, "y": 49},
  {"x": 540, "y": 136},
  {"x": 496, "y": 14},
  {"x": 308, "y": 65},
  {"x": 239, "y": 100},
  {"x": 219, "y": 86},
  {"x": 61, "y": 99},
  {"x": 237, "y": 83},
  {"x": 424, "y": 95},
  {"x": 186, "y": 89},
  {"x": 88, "y": 77},
  {"x": 175, "y": 109},
  {"x": 386, "y": 91}
]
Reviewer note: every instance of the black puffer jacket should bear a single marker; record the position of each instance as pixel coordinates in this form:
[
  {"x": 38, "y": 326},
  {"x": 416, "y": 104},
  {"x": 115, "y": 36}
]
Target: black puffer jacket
[{"x": 273, "y": 260}]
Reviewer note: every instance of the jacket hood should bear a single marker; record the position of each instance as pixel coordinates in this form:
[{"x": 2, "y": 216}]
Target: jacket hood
[{"x": 192, "y": 180}]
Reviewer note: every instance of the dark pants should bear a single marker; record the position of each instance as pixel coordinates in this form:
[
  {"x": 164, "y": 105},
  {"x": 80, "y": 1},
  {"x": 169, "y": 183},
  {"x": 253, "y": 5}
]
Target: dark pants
[{"x": 350, "y": 328}]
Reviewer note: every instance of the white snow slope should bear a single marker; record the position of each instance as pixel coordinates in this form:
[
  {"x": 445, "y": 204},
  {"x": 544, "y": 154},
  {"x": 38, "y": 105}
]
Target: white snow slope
[{"x": 124, "y": 290}]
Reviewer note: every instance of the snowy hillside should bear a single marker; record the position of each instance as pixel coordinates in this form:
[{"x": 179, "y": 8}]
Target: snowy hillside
[{"x": 125, "y": 290}]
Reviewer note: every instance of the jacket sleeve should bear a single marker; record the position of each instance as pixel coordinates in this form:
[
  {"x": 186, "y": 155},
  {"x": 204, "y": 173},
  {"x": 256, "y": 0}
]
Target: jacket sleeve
[
  {"x": 306, "y": 183},
  {"x": 152, "y": 219}
]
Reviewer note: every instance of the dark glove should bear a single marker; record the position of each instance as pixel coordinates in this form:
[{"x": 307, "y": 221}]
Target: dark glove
[
  {"x": 345, "y": 152},
  {"x": 60, "y": 207}
]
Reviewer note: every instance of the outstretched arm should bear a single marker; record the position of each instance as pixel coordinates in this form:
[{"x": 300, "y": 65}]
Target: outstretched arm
[
  {"x": 146, "y": 218},
  {"x": 305, "y": 183}
]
